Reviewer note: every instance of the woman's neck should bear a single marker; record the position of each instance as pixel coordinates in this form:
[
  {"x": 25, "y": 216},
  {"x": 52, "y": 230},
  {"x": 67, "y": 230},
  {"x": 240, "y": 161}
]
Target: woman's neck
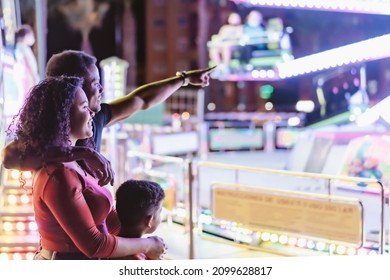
[{"x": 72, "y": 141}]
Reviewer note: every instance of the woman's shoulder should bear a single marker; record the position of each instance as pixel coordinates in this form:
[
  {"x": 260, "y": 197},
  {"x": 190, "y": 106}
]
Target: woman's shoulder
[
  {"x": 59, "y": 169},
  {"x": 55, "y": 166},
  {"x": 58, "y": 174}
]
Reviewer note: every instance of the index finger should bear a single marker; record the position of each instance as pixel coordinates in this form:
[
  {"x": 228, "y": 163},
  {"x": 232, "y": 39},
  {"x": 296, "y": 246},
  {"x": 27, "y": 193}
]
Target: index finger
[{"x": 210, "y": 69}]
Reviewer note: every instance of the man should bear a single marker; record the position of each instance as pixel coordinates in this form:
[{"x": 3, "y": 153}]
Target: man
[{"x": 77, "y": 63}]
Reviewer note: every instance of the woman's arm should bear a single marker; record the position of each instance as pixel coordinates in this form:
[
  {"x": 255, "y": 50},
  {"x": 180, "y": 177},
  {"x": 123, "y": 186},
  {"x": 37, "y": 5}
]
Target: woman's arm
[
  {"x": 64, "y": 198},
  {"x": 153, "y": 247}
]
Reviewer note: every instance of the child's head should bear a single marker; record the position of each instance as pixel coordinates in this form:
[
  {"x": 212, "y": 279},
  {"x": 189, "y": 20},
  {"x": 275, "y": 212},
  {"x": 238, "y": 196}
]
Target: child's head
[{"x": 139, "y": 205}]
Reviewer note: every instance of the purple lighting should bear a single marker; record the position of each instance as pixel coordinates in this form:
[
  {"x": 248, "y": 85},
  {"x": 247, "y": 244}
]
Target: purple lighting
[
  {"x": 371, "y": 49},
  {"x": 381, "y": 7}
]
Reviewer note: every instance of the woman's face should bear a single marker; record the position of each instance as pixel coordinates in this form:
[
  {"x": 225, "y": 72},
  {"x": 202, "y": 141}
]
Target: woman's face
[{"x": 80, "y": 117}]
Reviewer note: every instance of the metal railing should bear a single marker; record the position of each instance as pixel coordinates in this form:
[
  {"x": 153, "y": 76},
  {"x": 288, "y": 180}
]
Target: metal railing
[{"x": 192, "y": 188}]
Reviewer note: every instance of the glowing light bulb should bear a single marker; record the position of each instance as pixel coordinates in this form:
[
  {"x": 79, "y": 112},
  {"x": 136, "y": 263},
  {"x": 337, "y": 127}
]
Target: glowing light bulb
[
  {"x": 292, "y": 241},
  {"x": 11, "y": 199},
  {"x": 351, "y": 251},
  {"x": 211, "y": 106},
  {"x": 301, "y": 242},
  {"x": 15, "y": 174},
  {"x": 320, "y": 246},
  {"x": 185, "y": 115},
  {"x": 20, "y": 226},
  {"x": 17, "y": 256},
  {"x": 30, "y": 256},
  {"x": 341, "y": 250},
  {"x": 7, "y": 226},
  {"x": 265, "y": 236},
  {"x": 274, "y": 238},
  {"x": 268, "y": 106},
  {"x": 283, "y": 239},
  {"x": 311, "y": 244},
  {"x": 24, "y": 198},
  {"x": 270, "y": 73}
]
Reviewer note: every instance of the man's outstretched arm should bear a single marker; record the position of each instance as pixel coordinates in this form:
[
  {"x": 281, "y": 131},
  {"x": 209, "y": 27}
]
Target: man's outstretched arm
[
  {"x": 13, "y": 158},
  {"x": 149, "y": 95}
]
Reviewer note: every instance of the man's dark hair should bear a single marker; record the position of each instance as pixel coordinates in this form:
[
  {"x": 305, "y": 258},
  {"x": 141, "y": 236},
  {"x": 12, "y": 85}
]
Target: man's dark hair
[
  {"x": 136, "y": 200},
  {"x": 69, "y": 63}
]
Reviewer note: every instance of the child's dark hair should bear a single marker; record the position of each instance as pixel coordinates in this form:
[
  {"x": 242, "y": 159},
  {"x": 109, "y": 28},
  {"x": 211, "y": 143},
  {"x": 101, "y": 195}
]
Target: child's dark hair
[{"x": 136, "y": 200}]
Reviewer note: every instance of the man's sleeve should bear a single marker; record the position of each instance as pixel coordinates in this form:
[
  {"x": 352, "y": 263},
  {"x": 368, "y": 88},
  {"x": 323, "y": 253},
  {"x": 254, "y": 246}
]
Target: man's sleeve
[{"x": 104, "y": 115}]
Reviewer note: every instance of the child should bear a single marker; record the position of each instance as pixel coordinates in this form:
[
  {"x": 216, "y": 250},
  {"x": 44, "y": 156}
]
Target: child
[{"x": 139, "y": 205}]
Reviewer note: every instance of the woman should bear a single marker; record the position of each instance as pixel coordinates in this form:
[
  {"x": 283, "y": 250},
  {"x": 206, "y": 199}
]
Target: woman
[
  {"x": 26, "y": 62},
  {"x": 75, "y": 216}
]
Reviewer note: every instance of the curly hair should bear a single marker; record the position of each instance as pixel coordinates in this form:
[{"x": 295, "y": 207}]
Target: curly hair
[
  {"x": 69, "y": 63},
  {"x": 137, "y": 199},
  {"x": 44, "y": 119}
]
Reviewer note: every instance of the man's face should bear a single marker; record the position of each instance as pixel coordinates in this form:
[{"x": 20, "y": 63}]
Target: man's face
[{"x": 93, "y": 89}]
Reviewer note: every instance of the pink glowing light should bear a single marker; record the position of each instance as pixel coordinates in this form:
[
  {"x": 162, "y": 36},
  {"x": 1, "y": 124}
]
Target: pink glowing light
[
  {"x": 371, "y": 49},
  {"x": 353, "y": 6}
]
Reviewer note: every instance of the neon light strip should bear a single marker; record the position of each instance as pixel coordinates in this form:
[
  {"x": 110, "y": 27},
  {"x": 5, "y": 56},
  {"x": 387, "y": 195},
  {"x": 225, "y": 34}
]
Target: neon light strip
[
  {"x": 341, "y": 118},
  {"x": 353, "y": 6},
  {"x": 371, "y": 49}
]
